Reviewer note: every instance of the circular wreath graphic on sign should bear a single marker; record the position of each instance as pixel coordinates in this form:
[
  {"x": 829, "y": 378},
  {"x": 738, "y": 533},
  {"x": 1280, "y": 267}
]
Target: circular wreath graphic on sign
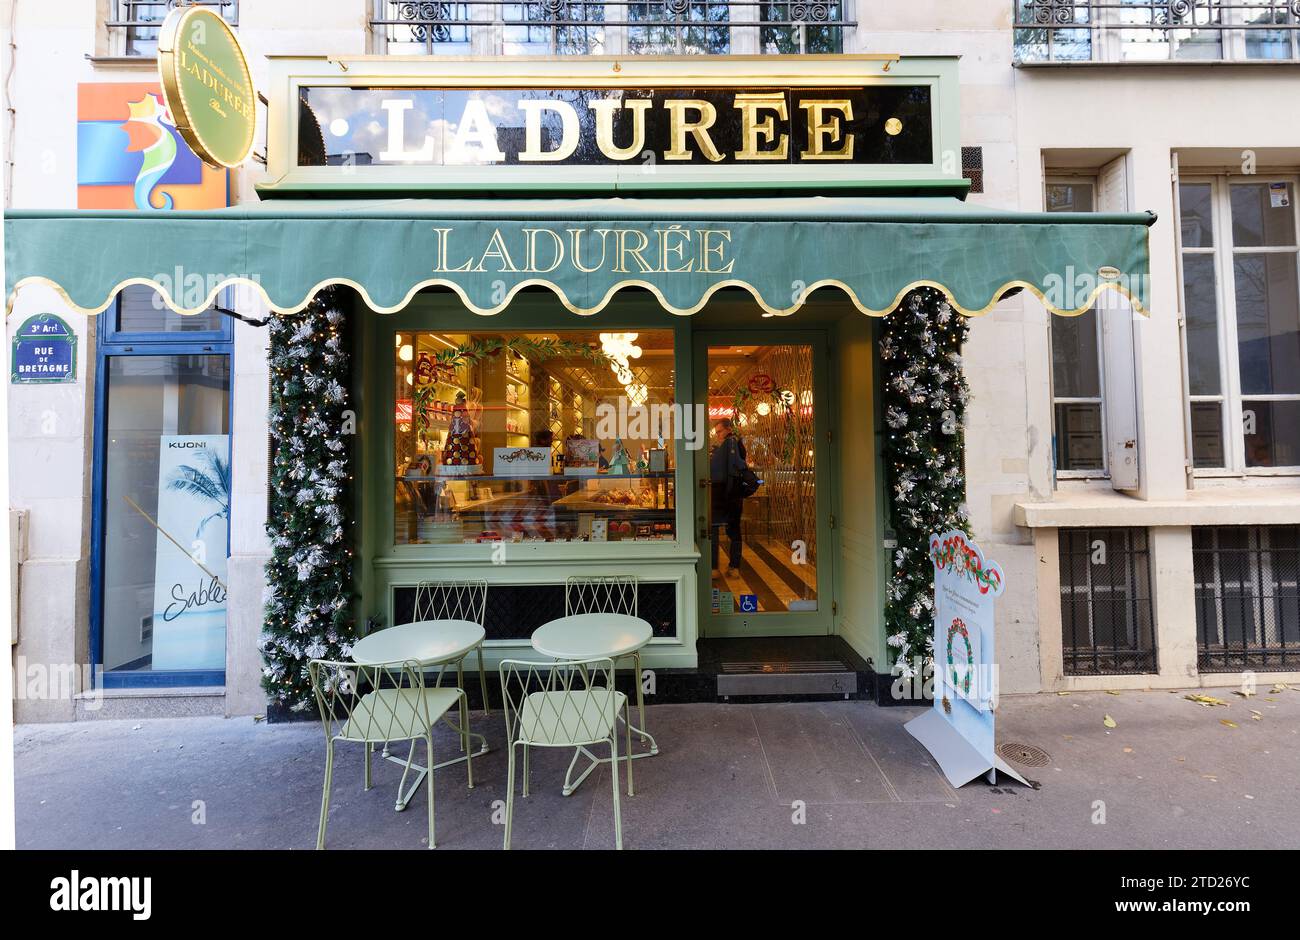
[{"x": 958, "y": 629}]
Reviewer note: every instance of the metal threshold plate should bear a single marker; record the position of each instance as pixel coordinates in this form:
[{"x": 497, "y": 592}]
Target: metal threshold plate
[{"x": 827, "y": 677}]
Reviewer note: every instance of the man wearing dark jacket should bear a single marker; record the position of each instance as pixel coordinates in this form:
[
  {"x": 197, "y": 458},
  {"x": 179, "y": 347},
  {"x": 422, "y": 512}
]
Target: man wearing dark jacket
[{"x": 726, "y": 462}]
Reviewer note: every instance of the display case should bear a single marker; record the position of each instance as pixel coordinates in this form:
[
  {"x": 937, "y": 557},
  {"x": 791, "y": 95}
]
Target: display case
[{"x": 533, "y": 437}]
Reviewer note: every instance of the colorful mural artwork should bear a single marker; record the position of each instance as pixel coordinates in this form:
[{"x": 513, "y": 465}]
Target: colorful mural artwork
[{"x": 130, "y": 155}]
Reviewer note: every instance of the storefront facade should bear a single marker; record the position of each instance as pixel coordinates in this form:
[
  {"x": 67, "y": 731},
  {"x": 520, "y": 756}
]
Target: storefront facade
[{"x": 773, "y": 325}]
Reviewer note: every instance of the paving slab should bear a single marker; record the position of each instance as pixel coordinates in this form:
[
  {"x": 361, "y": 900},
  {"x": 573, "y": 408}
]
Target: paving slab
[{"x": 1170, "y": 774}]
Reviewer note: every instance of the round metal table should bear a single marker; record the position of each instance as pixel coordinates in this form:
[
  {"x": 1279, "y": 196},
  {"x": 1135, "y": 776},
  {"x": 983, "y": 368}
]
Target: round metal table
[
  {"x": 592, "y": 636},
  {"x": 427, "y": 643},
  {"x": 599, "y": 636}
]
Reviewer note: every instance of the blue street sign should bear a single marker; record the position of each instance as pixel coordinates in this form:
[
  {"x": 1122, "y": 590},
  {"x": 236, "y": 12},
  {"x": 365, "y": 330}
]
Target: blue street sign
[{"x": 44, "y": 350}]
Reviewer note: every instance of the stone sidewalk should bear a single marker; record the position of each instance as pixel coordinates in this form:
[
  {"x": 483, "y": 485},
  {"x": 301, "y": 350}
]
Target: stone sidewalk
[{"x": 1170, "y": 775}]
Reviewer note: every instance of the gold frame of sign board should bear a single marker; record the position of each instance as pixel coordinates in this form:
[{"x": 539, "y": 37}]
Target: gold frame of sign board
[{"x": 288, "y": 74}]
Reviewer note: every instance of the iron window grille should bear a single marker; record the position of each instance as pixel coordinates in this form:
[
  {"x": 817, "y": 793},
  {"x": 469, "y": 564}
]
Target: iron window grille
[
  {"x": 134, "y": 27},
  {"x": 1065, "y": 31},
  {"x": 1107, "y": 618},
  {"x": 1247, "y": 597},
  {"x": 616, "y": 27}
]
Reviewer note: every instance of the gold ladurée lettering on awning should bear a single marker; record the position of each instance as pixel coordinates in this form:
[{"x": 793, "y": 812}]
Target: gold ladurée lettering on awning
[{"x": 672, "y": 249}]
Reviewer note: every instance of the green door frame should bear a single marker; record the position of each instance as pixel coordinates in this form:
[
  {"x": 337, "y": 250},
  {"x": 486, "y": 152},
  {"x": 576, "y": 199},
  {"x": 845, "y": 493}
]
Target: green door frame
[{"x": 810, "y": 623}]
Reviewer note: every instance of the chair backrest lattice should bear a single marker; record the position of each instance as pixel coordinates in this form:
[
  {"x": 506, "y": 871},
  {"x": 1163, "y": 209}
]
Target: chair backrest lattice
[
  {"x": 601, "y": 594},
  {"x": 563, "y": 703},
  {"x": 450, "y": 600},
  {"x": 380, "y": 702}
]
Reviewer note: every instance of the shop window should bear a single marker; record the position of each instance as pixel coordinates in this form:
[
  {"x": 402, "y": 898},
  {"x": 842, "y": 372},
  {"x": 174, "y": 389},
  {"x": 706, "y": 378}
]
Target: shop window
[
  {"x": 1247, "y": 597},
  {"x": 162, "y": 497},
  {"x": 1106, "y": 609},
  {"x": 1241, "y": 303},
  {"x": 534, "y": 437}
]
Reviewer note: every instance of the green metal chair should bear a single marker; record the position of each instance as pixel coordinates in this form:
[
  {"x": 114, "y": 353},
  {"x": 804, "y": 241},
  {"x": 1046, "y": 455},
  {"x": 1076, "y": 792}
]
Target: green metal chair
[
  {"x": 370, "y": 705},
  {"x": 611, "y": 594},
  {"x": 564, "y": 704},
  {"x": 456, "y": 600}
]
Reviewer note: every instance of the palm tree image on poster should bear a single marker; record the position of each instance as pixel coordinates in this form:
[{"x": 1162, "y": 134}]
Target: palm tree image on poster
[{"x": 209, "y": 483}]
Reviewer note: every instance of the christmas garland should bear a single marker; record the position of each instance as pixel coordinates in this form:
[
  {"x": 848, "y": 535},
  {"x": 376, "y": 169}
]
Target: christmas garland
[
  {"x": 924, "y": 405},
  {"x": 309, "y": 577}
]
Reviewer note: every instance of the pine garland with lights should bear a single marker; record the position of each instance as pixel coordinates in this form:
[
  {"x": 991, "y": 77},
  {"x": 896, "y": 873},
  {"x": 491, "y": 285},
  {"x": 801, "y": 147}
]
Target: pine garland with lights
[
  {"x": 308, "y": 600},
  {"x": 924, "y": 406}
]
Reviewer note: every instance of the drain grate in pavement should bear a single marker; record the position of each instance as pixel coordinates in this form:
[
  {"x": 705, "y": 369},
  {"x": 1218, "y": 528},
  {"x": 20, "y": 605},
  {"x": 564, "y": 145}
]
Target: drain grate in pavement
[{"x": 1027, "y": 755}]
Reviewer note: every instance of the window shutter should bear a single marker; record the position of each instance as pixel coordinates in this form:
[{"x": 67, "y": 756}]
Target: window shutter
[{"x": 1119, "y": 367}]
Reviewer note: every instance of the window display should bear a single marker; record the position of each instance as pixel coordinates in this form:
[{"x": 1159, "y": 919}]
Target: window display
[{"x": 526, "y": 437}]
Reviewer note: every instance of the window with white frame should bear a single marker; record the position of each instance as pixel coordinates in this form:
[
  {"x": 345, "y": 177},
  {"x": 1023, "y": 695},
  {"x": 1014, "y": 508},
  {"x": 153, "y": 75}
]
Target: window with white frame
[
  {"x": 1240, "y": 266},
  {"x": 133, "y": 24},
  {"x": 1077, "y": 414}
]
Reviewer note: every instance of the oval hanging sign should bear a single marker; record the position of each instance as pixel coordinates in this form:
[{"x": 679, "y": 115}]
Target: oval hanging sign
[{"x": 207, "y": 85}]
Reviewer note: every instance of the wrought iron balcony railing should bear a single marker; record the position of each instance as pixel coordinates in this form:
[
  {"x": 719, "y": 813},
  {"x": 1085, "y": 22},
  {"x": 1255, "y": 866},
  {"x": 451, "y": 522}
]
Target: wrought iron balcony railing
[
  {"x": 134, "y": 29},
  {"x": 617, "y": 27},
  {"x": 1066, "y": 31}
]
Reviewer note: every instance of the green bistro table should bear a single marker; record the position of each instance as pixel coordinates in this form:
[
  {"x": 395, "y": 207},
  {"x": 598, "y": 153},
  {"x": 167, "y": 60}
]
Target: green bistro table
[
  {"x": 429, "y": 643},
  {"x": 596, "y": 636}
]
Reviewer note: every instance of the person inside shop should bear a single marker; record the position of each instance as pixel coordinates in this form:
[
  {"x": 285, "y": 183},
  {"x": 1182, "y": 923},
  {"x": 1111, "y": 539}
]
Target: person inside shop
[{"x": 727, "y": 466}]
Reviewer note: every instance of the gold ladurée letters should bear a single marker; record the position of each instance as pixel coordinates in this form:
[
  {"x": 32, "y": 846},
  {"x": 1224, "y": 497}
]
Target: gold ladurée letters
[
  {"x": 679, "y": 127},
  {"x": 605, "y": 108},
  {"x": 821, "y": 127},
  {"x": 755, "y": 131},
  {"x": 671, "y": 249}
]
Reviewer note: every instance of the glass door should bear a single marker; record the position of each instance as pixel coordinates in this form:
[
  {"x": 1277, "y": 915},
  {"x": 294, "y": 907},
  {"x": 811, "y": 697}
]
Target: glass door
[{"x": 762, "y": 494}]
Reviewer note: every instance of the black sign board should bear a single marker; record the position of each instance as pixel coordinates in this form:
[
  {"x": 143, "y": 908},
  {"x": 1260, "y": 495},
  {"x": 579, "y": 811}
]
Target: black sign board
[{"x": 876, "y": 125}]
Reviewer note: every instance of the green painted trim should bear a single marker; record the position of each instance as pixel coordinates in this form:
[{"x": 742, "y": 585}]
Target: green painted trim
[
  {"x": 916, "y": 187},
  {"x": 845, "y": 209},
  {"x": 288, "y": 74},
  {"x": 382, "y": 563}
]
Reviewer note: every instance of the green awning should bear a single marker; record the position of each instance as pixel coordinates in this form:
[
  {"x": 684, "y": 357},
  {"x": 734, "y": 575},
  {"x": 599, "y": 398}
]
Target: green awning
[{"x": 875, "y": 249}]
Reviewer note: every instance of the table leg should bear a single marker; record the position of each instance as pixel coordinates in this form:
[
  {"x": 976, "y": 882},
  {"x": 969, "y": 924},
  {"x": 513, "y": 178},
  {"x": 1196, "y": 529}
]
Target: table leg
[
  {"x": 482, "y": 680},
  {"x": 464, "y": 703}
]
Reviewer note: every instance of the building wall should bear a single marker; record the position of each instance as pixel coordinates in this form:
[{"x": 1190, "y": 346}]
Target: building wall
[
  {"x": 1014, "y": 115},
  {"x": 1082, "y": 118}
]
